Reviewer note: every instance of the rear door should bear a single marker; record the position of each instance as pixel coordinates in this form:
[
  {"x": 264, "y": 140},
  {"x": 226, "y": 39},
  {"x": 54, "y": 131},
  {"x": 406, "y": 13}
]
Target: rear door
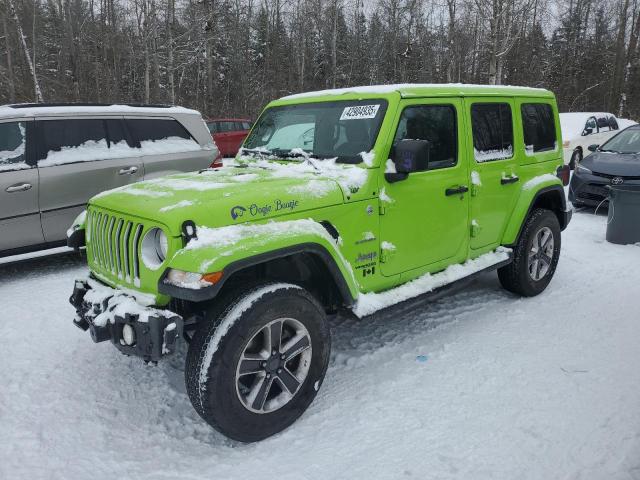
[
  {"x": 494, "y": 168},
  {"x": 77, "y": 160},
  {"x": 19, "y": 215},
  {"x": 423, "y": 223},
  {"x": 166, "y": 146}
]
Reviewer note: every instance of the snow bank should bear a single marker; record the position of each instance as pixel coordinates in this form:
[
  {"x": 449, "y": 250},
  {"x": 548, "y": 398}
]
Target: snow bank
[
  {"x": 369, "y": 303},
  {"x": 99, "y": 150}
]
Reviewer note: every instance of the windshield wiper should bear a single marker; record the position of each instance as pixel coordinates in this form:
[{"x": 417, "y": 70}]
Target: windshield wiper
[{"x": 255, "y": 151}]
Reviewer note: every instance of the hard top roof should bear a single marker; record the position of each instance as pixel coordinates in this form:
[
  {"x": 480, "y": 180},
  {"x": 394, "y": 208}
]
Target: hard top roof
[{"x": 408, "y": 90}]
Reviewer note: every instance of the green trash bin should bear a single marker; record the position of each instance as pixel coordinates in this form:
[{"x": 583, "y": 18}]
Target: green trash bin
[{"x": 623, "y": 223}]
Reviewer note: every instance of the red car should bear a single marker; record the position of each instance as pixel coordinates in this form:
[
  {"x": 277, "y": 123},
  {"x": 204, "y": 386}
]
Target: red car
[{"x": 229, "y": 133}]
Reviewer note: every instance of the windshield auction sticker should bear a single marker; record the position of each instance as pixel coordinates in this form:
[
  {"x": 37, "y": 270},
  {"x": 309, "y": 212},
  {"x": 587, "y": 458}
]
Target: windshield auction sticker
[{"x": 358, "y": 112}]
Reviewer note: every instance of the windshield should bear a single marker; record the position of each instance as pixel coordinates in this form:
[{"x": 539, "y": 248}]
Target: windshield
[
  {"x": 627, "y": 141},
  {"x": 339, "y": 130}
]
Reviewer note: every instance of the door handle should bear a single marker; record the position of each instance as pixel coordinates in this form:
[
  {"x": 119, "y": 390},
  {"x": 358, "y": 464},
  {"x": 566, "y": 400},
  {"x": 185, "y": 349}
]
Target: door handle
[
  {"x": 508, "y": 180},
  {"x": 128, "y": 171},
  {"x": 23, "y": 187},
  {"x": 456, "y": 190}
]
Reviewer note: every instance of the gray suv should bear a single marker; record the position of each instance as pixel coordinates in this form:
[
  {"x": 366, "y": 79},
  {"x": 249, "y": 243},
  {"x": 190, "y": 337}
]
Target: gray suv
[{"x": 53, "y": 158}]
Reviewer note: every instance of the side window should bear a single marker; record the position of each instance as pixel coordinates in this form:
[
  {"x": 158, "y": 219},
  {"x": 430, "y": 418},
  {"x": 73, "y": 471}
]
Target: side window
[
  {"x": 613, "y": 123},
  {"x": 71, "y": 141},
  {"x": 603, "y": 123},
  {"x": 590, "y": 127},
  {"x": 213, "y": 127},
  {"x": 226, "y": 126},
  {"x": 238, "y": 126},
  {"x": 145, "y": 130},
  {"x": 492, "y": 128},
  {"x": 12, "y": 145},
  {"x": 438, "y": 125},
  {"x": 538, "y": 127},
  {"x": 246, "y": 126},
  {"x": 116, "y": 134}
]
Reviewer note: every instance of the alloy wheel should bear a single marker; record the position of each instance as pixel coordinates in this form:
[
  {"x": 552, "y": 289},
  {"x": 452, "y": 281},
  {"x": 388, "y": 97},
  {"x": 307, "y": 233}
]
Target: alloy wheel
[
  {"x": 540, "y": 254},
  {"x": 273, "y": 366}
]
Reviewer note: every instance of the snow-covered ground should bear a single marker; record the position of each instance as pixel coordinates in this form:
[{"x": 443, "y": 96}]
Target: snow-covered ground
[{"x": 477, "y": 385}]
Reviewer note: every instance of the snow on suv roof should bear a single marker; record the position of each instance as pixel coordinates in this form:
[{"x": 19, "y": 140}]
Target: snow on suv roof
[
  {"x": 421, "y": 89},
  {"x": 34, "y": 109}
]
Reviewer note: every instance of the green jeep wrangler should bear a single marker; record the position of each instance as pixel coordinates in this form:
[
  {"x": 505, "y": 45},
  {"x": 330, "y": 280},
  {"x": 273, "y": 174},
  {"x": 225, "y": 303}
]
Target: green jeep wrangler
[{"x": 341, "y": 200}]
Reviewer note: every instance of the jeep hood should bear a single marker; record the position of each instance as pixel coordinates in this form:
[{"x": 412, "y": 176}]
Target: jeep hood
[
  {"x": 234, "y": 194},
  {"x": 620, "y": 164}
]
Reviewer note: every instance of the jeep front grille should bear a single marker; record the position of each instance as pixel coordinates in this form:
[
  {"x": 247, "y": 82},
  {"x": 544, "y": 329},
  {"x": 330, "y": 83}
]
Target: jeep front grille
[{"x": 114, "y": 244}]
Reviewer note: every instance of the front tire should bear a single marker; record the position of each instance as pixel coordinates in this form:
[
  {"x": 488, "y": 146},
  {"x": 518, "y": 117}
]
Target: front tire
[
  {"x": 535, "y": 256},
  {"x": 257, "y": 362}
]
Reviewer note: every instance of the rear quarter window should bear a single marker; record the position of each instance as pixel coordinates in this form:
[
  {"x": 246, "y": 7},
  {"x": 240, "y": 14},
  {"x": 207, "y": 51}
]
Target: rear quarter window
[
  {"x": 157, "y": 129},
  {"x": 538, "y": 127}
]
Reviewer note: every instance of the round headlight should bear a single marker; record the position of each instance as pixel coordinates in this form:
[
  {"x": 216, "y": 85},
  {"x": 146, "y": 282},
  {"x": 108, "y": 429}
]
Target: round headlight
[{"x": 155, "y": 245}]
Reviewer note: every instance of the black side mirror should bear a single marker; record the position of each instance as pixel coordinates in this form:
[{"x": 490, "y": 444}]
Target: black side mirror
[
  {"x": 593, "y": 148},
  {"x": 409, "y": 156},
  {"x": 587, "y": 131}
]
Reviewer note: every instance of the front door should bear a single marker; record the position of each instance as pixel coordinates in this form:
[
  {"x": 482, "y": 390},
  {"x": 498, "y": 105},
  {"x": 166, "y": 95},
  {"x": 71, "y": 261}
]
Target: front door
[
  {"x": 494, "y": 168},
  {"x": 19, "y": 215},
  {"x": 424, "y": 221}
]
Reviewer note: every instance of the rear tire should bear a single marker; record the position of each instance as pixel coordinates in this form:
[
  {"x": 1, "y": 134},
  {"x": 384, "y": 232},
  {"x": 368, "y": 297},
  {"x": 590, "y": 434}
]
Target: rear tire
[
  {"x": 235, "y": 382},
  {"x": 535, "y": 256}
]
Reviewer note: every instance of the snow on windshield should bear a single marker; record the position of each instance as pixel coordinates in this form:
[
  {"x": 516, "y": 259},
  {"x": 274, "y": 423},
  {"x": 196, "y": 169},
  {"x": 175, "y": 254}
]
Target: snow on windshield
[{"x": 99, "y": 150}]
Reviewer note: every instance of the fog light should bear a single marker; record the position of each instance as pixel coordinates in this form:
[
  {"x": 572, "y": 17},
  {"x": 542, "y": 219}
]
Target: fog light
[{"x": 128, "y": 335}]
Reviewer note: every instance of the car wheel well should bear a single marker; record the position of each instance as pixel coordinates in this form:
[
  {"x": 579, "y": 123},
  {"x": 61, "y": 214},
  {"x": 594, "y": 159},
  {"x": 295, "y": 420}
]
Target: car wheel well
[
  {"x": 307, "y": 269},
  {"x": 552, "y": 200}
]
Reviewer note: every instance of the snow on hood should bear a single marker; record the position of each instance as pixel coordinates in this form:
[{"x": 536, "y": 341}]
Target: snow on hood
[{"x": 235, "y": 194}]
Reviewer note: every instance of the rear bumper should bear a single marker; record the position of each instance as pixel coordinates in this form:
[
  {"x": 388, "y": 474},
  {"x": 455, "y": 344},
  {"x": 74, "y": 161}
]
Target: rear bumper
[{"x": 106, "y": 312}]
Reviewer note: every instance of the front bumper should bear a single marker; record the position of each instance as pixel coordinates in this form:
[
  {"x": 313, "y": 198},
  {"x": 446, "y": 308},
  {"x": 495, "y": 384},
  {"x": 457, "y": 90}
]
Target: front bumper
[
  {"x": 105, "y": 312},
  {"x": 591, "y": 190}
]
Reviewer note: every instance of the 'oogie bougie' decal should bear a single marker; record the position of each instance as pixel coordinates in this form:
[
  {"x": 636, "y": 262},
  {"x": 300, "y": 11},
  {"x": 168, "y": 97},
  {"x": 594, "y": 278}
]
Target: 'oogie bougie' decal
[{"x": 255, "y": 210}]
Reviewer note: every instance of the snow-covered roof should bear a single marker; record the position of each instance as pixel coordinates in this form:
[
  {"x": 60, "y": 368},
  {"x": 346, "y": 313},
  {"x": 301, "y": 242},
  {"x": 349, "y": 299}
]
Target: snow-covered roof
[
  {"x": 7, "y": 111},
  {"x": 418, "y": 89}
]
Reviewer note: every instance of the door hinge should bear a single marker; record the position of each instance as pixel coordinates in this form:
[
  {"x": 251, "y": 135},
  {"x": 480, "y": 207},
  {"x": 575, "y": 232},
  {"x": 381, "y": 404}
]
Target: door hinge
[
  {"x": 475, "y": 228},
  {"x": 474, "y": 190},
  {"x": 382, "y": 209}
]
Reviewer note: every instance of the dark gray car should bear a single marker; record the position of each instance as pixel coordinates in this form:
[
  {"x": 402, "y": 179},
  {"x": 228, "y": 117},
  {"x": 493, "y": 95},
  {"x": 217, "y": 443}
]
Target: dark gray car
[
  {"x": 54, "y": 158},
  {"x": 617, "y": 162}
]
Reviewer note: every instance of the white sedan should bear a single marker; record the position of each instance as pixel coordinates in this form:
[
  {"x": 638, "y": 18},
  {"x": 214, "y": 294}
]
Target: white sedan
[{"x": 581, "y": 129}]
